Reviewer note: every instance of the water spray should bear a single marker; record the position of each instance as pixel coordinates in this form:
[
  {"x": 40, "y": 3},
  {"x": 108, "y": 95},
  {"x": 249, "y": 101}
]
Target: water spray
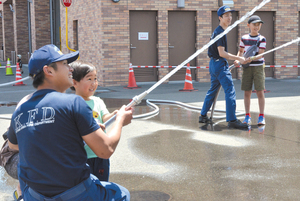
[
  {"x": 276, "y": 48},
  {"x": 137, "y": 99}
]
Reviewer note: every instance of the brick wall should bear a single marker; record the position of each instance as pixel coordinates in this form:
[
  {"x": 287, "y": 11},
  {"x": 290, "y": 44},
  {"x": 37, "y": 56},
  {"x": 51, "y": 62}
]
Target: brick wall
[
  {"x": 8, "y": 37},
  {"x": 88, "y": 14},
  {"x": 105, "y": 40},
  {"x": 21, "y": 29},
  {"x": 41, "y": 12},
  {"x": 75, "y": 34},
  {"x": 162, "y": 42},
  {"x": 115, "y": 43},
  {"x": 1, "y": 32},
  {"x": 103, "y": 32},
  {"x": 286, "y": 30},
  {"x": 286, "y": 73},
  {"x": 33, "y": 31},
  {"x": 204, "y": 23}
]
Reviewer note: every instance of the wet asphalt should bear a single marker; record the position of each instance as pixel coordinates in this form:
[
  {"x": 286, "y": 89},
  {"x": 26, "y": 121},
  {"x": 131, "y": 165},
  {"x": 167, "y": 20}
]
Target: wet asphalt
[{"x": 170, "y": 156}]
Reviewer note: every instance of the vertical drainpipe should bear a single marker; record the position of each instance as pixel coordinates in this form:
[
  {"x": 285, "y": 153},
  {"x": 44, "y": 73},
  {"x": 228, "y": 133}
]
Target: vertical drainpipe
[
  {"x": 29, "y": 26},
  {"x": 51, "y": 21}
]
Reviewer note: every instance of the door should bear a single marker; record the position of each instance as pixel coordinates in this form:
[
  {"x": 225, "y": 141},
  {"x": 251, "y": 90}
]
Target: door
[
  {"x": 267, "y": 30},
  {"x": 143, "y": 44},
  {"x": 182, "y": 41},
  {"x": 232, "y": 37}
]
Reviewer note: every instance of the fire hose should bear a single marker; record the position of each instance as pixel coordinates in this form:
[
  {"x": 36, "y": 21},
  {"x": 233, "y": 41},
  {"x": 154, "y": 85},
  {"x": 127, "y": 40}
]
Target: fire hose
[{"x": 137, "y": 99}]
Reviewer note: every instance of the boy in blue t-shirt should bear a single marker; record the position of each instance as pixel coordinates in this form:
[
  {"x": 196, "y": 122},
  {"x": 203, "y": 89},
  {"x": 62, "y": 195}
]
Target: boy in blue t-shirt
[
  {"x": 49, "y": 130},
  {"x": 220, "y": 73}
]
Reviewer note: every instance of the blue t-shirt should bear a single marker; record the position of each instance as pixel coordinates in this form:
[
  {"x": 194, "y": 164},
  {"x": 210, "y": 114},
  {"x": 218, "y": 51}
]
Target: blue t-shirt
[
  {"x": 48, "y": 129},
  {"x": 213, "y": 49}
]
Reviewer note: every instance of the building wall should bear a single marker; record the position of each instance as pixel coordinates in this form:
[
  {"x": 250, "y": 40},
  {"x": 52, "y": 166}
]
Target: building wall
[
  {"x": 14, "y": 35},
  {"x": 33, "y": 30},
  {"x": 88, "y": 14},
  {"x": 14, "y": 24},
  {"x": 1, "y": 29},
  {"x": 103, "y": 32},
  {"x": 109, "y": 32},
  {"x": 21, "y": 29},
  {"x": 41, "y": 23},
  {"x": 115, "y": 43},
  {"x": 286, "y": 29},
  {"x": 8, "y": 30}
]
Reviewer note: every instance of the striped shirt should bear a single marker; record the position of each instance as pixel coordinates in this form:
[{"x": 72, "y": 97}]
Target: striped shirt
[{"x": 247, "y": 41}]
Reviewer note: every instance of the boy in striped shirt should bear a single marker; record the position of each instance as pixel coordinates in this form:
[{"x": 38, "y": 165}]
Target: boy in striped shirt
[{"x": 255, "y": 72}]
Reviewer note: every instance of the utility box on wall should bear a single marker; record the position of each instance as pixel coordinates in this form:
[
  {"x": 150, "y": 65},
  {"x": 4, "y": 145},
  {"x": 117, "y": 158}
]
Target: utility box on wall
[
  {"x": 180, "y": 3},
  {"x": 229, "y": 3}
]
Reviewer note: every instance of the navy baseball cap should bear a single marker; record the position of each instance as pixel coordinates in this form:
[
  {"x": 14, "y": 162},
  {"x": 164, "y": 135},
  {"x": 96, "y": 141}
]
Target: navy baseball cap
[
  {"x": 224, "y": 9},
  {"x": 47, "y": 55},
  {"x": 255, "y": 19}
]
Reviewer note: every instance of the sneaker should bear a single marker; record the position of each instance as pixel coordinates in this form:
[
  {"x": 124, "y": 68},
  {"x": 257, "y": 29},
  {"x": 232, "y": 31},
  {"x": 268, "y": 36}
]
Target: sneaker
[
  {"x": 237, "y": 124},
  {"x": 261, "y": 120},
  {"x": 247, "y": 120},
  {"x": 203, "y": 119},
  {"x": 17, "y": 197}
]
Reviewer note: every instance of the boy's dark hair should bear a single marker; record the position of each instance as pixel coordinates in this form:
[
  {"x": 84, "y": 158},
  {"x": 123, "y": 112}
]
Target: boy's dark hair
[
  {"x": 38, "y": 79},
  {"x": 80, "y": 70}
]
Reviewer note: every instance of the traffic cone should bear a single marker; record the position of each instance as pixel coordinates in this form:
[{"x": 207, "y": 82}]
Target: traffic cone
[
  {"x": 18, "y": 76},
  {"x": 131, "y": 79},
  {"x": 8, "y": 68},
  {"x": 188, "y": 84}
]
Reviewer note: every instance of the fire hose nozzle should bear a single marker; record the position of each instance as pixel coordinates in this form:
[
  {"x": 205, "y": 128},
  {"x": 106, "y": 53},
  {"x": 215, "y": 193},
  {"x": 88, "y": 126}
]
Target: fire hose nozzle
[{"x": 135, "y": 101}]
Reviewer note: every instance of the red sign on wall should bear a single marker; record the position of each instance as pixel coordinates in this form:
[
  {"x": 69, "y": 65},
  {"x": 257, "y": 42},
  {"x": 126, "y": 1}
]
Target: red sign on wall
[{"x": 66, "y": 3}]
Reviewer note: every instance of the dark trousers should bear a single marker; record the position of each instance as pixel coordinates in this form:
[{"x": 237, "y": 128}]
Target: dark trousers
[
  {"x": 220, "y": 75},
  {"x": 91, "y": 189}
]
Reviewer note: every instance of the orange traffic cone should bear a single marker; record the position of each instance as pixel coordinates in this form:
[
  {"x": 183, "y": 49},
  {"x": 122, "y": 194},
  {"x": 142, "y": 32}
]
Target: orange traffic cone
[
  {"x": 188, "y": 84},
  {"x": 131, "y": 79},
  {"x": 18, "y": 76},
  {"x": 8, "y": 68}
]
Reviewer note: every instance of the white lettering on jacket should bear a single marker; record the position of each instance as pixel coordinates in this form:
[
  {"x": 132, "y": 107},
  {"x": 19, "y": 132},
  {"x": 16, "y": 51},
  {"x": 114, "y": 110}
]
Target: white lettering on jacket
[{"x": 47, "y": 117}]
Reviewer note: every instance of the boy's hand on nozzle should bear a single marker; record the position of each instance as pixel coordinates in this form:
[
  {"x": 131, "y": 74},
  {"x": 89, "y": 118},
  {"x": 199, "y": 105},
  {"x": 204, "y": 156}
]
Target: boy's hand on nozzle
[
  {"x": 124, "y": 115},
  {"x": 241, "y": 60},
  {"x": 236, "y": 63},
  {"x": 248, "y": 60}
]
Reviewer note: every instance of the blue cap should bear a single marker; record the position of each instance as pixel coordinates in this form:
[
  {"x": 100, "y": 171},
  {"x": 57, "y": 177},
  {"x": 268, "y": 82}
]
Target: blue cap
[
  {"x": 224, "y": 9},
  {"x": 47, "y": 55}
]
